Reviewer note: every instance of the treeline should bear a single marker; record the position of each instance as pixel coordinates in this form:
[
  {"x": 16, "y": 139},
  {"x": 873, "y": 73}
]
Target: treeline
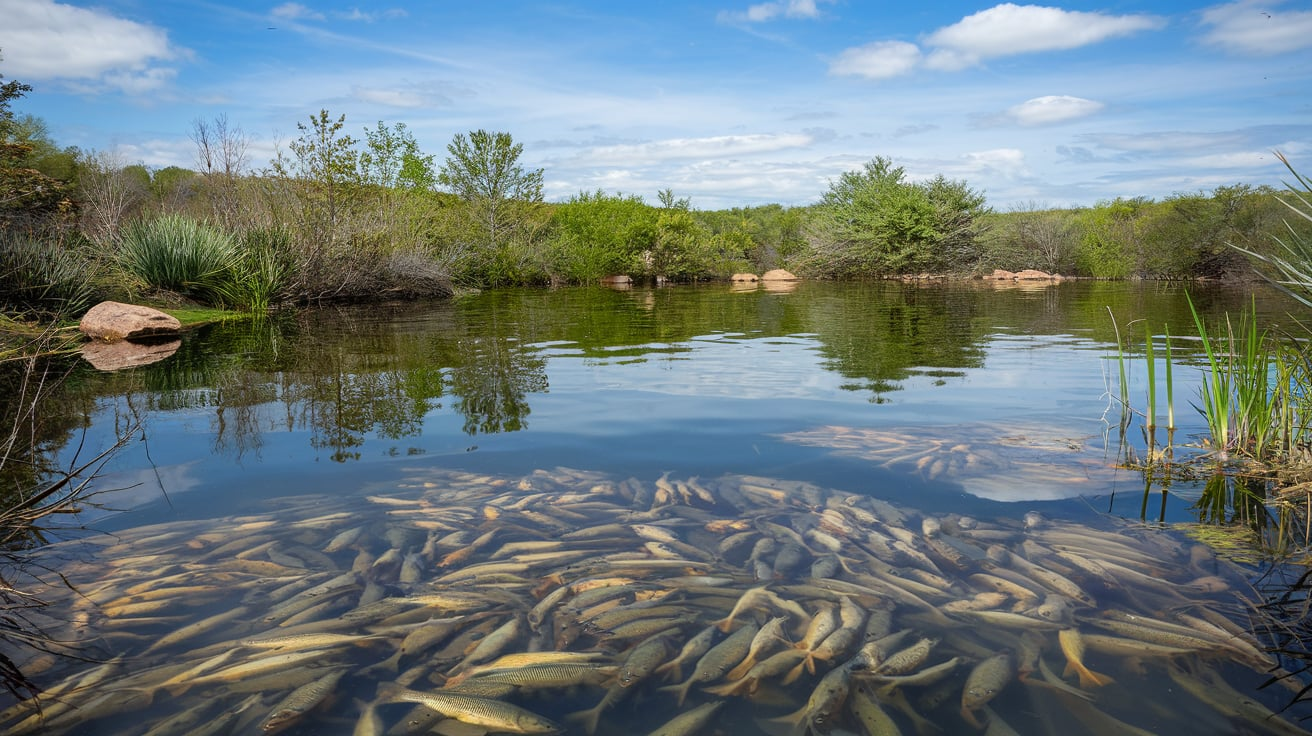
[{"x": 336, "y": 217}]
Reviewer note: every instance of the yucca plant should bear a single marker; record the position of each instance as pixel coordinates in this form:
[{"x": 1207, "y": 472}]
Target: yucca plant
[
  {"x": 1292, "y": 264},
  {"x": 47, "y": 278},
  {"x": 180, "y": 254}
]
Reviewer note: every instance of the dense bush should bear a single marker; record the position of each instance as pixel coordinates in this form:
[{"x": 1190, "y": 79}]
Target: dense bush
[{"x": 873, "y": 223}]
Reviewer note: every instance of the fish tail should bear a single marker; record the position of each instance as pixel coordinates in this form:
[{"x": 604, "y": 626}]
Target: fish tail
[
  {"x": 737, "y": 672},
  {"x": 1090, "y": 679},
  {"x": 736, "y": 687},
  {"x": 793, "y": 674}
]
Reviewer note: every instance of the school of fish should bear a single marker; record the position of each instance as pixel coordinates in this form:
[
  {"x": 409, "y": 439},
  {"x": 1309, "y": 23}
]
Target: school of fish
[{"x": 567, "y": 601}]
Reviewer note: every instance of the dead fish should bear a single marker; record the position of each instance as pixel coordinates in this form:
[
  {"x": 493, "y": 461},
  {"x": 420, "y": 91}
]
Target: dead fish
[
  {"x": 492, "y": 714},
  {"x": 718, "y": 660},
  {"x": 984, "y": 682},
  {"x": 300, "y": 701},
  {"x": 1072, "y": 645}
]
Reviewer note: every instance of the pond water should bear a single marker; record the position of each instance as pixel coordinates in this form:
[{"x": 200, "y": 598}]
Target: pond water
[{"x": 841, "y": 456}]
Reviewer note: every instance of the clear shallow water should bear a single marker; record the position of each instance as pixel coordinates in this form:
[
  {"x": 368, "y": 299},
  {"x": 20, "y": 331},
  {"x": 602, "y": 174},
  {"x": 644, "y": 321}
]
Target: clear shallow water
[
  {"x": 694, "y": 380},
  {"x": 956, "y": 399}
]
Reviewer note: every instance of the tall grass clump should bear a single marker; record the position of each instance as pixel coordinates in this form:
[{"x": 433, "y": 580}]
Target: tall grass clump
[
  {"x": 182, "y": 255},
  {"x": 263, "y": 267},
  {"x": 46, "y": 278}
]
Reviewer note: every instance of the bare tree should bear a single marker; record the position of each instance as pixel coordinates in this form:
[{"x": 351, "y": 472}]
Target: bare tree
[
  {"x": 110, "y": 191},
  {"x": 222, "y": 157}
]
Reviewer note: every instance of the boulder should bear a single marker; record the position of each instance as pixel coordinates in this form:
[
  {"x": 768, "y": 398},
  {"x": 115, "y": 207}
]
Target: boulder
[
  {"x": 1031, "y": 274},
  {"x": 1000, "y": 274},
  {"x": 112, "y": 321},
  {"x": 620, "y": 280},
  {"x": 744, "y": 277},
  {"x": 778, "y": 274},
  {"x": 120, "y": 354}
]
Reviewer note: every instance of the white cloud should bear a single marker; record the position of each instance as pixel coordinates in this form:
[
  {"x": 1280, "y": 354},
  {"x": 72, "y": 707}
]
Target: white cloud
[
  {"x": 1009, "y": 29},
  {"x": 43, "y": 39},
  {"x": 763, "y": 12},
  {"x": 878, "y": 60},
  {"x": 717, "y": 147},
  {"x": 1003, "y": 30},
  {"x": 1051, "y": 109},
  {"x": 369, "y": 17},
  {"x": 1255, "y": 28},
  {"x": 295, "y": 11}
]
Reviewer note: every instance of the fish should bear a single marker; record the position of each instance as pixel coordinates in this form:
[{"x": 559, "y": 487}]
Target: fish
[
  {"x": 300, "y": 701},
  {"x": 984, "y": 682},
  {"x": 492, "y": 714},
  {"x": 718, "y": 660},
  {"x": 1072, "y": 645},
  {"x": 689, "y": 722}
]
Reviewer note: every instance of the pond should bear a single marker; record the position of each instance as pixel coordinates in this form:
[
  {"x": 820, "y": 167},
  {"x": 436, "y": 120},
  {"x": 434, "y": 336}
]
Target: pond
[{"x": 576, "y": 509}]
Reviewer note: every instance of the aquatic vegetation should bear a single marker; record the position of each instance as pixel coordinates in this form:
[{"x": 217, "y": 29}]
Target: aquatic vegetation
[{"x": 568, "y": 600}]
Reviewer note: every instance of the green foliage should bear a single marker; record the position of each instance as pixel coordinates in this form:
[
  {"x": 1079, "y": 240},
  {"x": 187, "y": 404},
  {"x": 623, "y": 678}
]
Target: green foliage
[
  {"x": 28, "y": 197},
  {"x": 483, "y": 169},
  {"x": 594, "y": 235},
  {"x": 181, "y": 255},
  {"x": 44, "y": 276},
  {"x": 326, "y": 166},
  {"x": 873, "y": 222},
  {"x": 392, "y": 159},
  {"x": 1109, "y": 246},
  {"x": 262, "y": 268}
]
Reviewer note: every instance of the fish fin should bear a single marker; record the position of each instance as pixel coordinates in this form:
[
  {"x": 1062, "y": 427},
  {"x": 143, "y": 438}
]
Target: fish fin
[
  {"x": 793, "y": 674},
  {"x": 1091, "y": 679},
  {"x": 680, "y": 690},
  {"x": 743, "y": 667},
  {"x": 969, "y": 716},
  {"x": 736, "y": 687}
]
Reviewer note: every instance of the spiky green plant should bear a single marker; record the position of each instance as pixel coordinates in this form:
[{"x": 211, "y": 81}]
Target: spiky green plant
[
  {"x": 1292, "y": 263},
  {"x": 45, "y": 277},
  {"x": 180, "y": 254}
]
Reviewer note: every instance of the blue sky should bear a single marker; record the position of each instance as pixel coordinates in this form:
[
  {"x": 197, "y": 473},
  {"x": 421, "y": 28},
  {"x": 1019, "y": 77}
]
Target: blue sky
[{"x": 729, "y": 103}]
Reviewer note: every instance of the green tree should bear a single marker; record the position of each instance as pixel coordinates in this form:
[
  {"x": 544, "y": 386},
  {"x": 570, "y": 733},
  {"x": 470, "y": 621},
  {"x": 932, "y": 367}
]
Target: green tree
[
  {"x": 392, "y": 159},
  {"x": 874, "y": 222},
  {"x": 327, "y": 165},
  {"x": 28, "y": 197},
  {"x": 483, "y": 169}
]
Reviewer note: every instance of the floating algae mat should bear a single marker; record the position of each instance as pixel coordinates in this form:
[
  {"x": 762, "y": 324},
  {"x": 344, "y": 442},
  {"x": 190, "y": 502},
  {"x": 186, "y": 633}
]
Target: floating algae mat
[{"x": 572, "y": 602}]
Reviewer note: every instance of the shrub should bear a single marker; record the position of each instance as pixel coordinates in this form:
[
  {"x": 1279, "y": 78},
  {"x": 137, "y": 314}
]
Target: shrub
[
  {"x": 179, "y": 254},
  {"x": 46, "y": 277}
]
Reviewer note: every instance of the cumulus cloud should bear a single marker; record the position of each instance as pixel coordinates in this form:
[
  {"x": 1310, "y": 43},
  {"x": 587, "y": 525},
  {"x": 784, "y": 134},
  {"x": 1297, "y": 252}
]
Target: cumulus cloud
[
  {"x": 1009, "y": 29},
  {"x": 1052, "y": 109},
  {"x": 878, "y": 60},
  {"x": 1257, "y": 29},
  {"x": 763, "y": 12},
  {"x": 718, "y": 147},
  {"x": 1003, "y": 30},
  {"x": 47, "y": 40}
]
